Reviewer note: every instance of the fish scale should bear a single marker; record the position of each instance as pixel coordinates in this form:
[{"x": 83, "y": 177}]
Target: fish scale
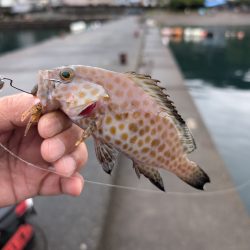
[{"x": 124, "y": 112}]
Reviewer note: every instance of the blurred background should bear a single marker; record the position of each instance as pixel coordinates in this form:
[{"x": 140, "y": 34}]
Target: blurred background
[{"x": 200, "y": 50}]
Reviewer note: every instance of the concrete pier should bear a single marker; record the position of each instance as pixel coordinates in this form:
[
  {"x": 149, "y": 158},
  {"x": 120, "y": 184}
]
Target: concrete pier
[
  {"x": 106, "y": 218},
  {"x": 181, "y": 218}
]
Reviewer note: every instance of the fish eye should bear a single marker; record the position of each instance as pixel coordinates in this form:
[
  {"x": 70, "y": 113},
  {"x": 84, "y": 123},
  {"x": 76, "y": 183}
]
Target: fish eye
[{"x": 67, "y": 74}]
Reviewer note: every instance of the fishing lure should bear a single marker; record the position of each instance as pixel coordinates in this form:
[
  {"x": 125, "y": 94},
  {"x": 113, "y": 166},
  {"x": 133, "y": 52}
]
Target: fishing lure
[
  {"x": 124, "y": 112},
  {"x": 3, "y": 80}
]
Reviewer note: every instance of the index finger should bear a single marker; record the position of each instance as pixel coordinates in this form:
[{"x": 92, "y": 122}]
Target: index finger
[{"x": 11, "y": 109}]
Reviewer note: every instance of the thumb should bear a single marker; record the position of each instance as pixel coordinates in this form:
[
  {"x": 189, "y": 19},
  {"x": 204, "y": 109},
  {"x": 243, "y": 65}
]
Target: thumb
[{"x": 12, "y": 108}]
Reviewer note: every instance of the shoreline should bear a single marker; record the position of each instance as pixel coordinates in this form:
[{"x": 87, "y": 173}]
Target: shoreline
[
  {"x": 222, "y": 18},
  {"x": 162, "y": 17}
]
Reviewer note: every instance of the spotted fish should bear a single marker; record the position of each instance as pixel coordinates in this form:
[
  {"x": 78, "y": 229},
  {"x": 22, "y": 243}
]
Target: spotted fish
[{"x": 124, "y": 112}]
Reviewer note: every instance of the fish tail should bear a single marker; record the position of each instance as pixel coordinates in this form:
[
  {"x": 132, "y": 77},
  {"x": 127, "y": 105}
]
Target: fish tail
[{"x": 192, "y": 174}]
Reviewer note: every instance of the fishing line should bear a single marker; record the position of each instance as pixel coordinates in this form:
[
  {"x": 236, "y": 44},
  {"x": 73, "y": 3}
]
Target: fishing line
[
  {"x": 49, "y": 169},
  {"x": 174, "y": 193},
  {"x": 122, "y": 187},
  {"x": 171, "y": 193}
]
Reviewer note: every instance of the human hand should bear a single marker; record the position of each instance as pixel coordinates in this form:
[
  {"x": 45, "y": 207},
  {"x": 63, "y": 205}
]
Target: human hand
[{"x": 51, "y": 143}]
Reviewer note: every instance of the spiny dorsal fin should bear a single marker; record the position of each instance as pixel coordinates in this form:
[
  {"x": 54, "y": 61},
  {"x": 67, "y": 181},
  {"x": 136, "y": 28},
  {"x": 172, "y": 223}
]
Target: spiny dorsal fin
[
  {"x": 106, "y": 155},
  {"x": 151, "y": 86}
]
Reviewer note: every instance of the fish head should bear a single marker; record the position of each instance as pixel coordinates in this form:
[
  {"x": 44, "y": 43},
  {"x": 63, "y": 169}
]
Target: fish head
[{"x": 68, "y": 89}]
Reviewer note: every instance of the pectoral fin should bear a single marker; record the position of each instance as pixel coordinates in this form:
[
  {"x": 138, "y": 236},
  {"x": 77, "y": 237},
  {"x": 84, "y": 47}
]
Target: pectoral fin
[
  {"x": 151, "y": 173},
  {"x": 106, "y": 155},
  {"x": 87, "y": 132}
]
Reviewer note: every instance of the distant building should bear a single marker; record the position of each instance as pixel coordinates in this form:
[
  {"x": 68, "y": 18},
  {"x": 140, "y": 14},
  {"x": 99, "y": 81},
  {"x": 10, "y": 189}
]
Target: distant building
[
  {"x": 12, "y": 3},
  {"x": 137, "y": 2},
  {"x": 6, "y": 3},
  {"x": 110, "y": 2},
  {"x": 25, "y": 6},
  {"x": 149, "y": 2},
  {"x": 36, "y": 3},
  {"x": 88, "y": 2}
]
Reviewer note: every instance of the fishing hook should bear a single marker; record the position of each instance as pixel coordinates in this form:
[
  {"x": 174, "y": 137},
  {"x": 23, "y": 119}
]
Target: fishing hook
[
  {"x": 10, "y": 81},
  {"x": 33, "y": 91}
]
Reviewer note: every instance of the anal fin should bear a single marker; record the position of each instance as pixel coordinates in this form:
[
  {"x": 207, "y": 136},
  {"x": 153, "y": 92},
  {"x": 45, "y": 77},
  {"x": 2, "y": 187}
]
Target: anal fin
[
  {"x": 137, "y": 170},
  {"x": 106, "y": 155},
  {"x": 151, "y": 173}
]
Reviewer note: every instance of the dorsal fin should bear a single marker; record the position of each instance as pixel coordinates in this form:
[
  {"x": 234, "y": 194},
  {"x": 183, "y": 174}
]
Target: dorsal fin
[{"x": 158, "y": 93}]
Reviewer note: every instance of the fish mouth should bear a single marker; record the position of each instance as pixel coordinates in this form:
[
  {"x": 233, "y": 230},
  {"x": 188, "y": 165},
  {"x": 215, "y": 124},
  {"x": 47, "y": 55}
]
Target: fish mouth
[{"x": 88, "y": 109}]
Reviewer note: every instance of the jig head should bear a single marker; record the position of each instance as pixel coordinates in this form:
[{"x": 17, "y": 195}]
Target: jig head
[
  {"x": 8, "y": 81},
  {"x": 3, "y": 81}
]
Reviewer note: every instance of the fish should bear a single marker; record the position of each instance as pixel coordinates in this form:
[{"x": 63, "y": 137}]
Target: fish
[{"x": 125, "y": 113}]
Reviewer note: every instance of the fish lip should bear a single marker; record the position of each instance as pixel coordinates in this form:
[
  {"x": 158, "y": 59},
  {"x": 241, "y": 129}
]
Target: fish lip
[{"x": 88, "y": 109}]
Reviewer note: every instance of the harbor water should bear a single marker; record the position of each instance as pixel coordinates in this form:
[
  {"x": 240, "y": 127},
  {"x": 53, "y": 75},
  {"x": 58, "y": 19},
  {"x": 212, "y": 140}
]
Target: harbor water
[
  {"x": 217, "y": 73},
  {"x": 12, "y": 40}
]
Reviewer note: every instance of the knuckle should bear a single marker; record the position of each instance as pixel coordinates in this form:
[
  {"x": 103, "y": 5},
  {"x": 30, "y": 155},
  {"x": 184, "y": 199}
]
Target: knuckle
[
  {"x": 44, "y": 126},
  {"x": 83, "y": 154}
]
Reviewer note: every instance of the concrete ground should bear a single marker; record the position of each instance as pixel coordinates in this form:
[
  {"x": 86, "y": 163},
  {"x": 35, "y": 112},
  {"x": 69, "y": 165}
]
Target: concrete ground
[{"x": 112, "y": 219}]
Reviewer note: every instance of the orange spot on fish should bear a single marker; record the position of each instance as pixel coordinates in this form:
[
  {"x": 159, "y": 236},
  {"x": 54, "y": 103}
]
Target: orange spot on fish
[
  {"x": 117, "y": 79},
  {"x": 118, "y": 142},
  {"x": 133, "y": 127},
  {"x": 74, "y": 88},
  {"x": 65, "y": 88},
  {"x": 81, "y": 94},
  {"x": 119, "y": 93},
  {"x": 136, "y": 115},
  {"x": 155, "y": 142},
  {"x": 152, "y": 154},
  {"x": 140, "y": 143},
  {"x": 147, "y": 140},
  {"x": 118, "y": 117},
  {"x": 141, "y": 132},
  {"x": 109, "y": 86},
  {"x": 124, "y": 136},
  {"x": 121, "y": 126},
  {"x": 113, "y": 130},
  {"x": 108, "y": 120},
  {"x": 133, "y": 139},
  {"x": 94, "y": 92},
  {"x": 145, "y": 150}
]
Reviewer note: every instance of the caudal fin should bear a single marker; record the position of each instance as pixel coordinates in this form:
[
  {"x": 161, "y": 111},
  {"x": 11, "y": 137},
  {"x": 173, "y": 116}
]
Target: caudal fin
[{"x": 193, "y": 175}]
